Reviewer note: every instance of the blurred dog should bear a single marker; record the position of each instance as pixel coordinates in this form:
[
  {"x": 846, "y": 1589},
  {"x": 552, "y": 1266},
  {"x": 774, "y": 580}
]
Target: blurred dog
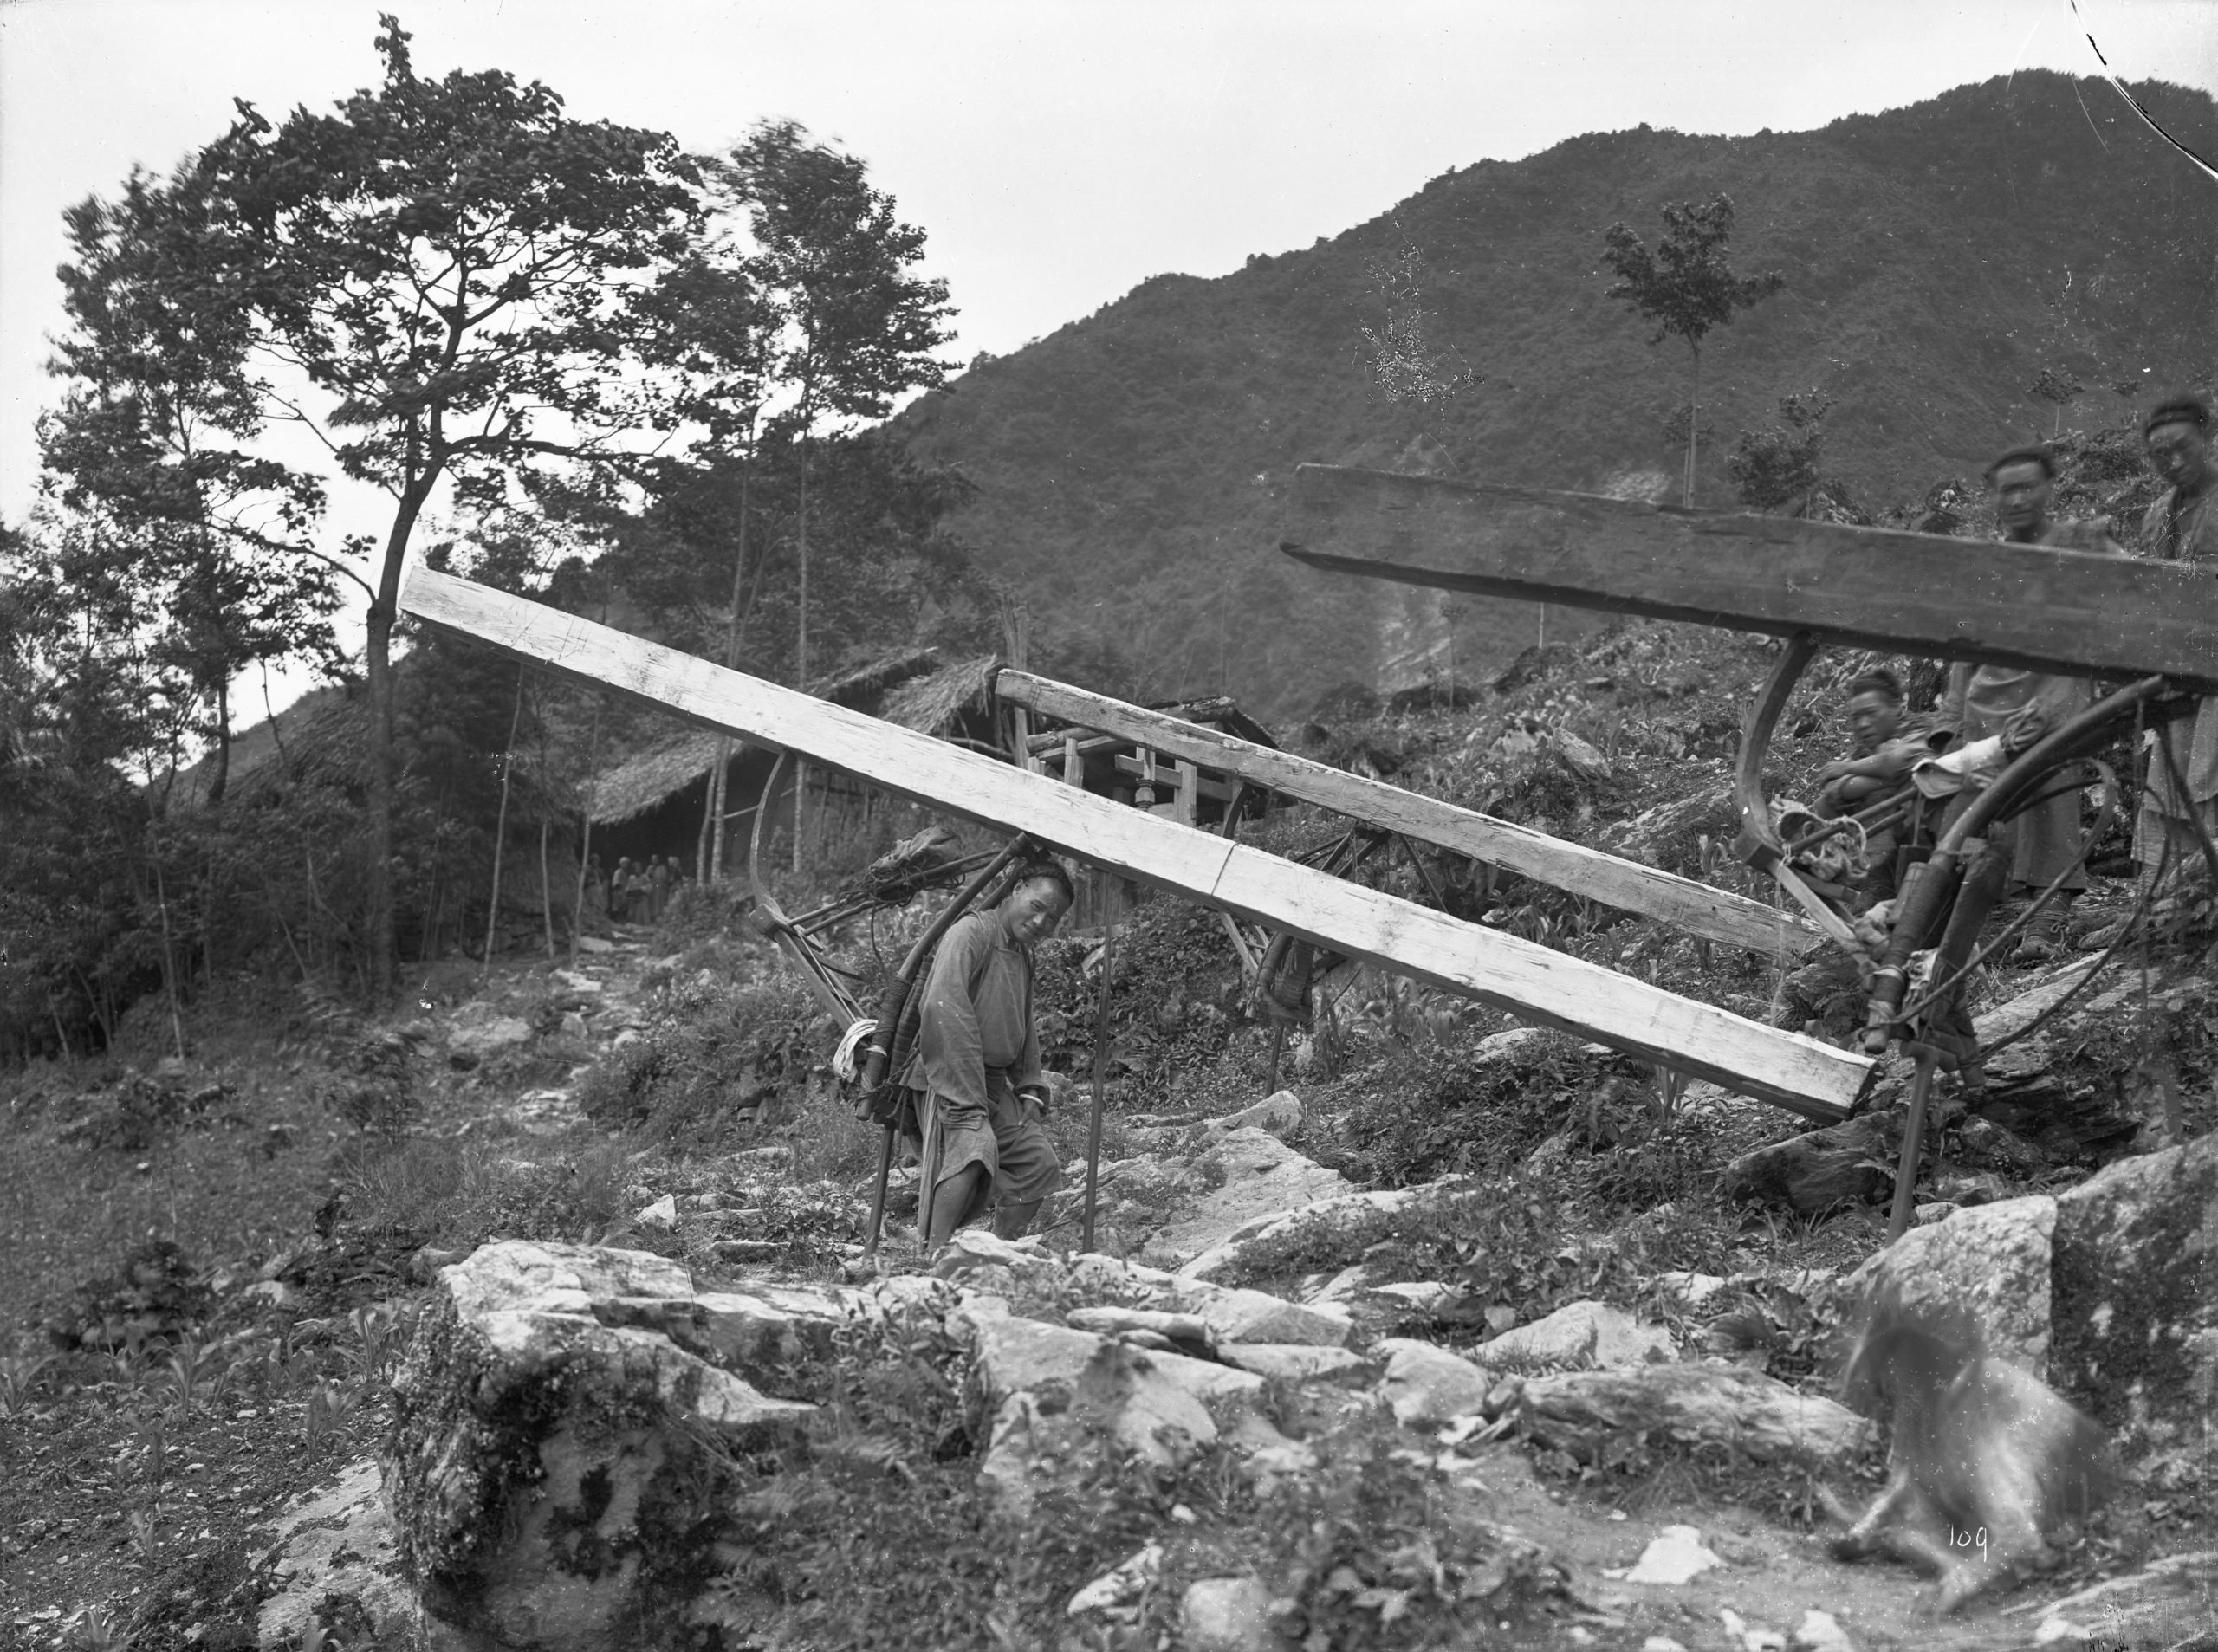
[{"x": 1984, "y": 1460}]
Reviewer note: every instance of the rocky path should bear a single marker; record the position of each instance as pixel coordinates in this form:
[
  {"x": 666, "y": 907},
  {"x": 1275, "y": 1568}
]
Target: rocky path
[{"x": 581, "y": 1430}]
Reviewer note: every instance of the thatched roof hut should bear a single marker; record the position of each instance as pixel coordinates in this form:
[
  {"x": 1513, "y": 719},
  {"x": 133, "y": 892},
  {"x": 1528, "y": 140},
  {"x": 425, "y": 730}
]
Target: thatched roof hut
[
  {"x": 911, "y": 687},
  {"x": 321, "y": 739},
  {"x": 640, "y": 782}
]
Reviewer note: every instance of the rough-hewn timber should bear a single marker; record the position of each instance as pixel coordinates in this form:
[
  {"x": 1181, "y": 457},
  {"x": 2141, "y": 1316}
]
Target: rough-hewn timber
[
  {"x": 1529, "y": 981},
  {"x": 1867, "y": 587},
  {"x": 1715, "y": 914}
]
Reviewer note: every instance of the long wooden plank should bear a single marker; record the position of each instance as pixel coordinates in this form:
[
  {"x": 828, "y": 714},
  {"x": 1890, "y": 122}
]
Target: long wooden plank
[
  {"x": 1868, "y": 587},
  {"x": 1715, "y": 914},
  {"x": 1531, "y": 982}
]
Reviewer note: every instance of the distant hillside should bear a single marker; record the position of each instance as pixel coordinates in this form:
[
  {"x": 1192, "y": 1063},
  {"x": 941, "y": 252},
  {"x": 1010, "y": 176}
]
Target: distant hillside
[{"x": 1132, "y": 467}]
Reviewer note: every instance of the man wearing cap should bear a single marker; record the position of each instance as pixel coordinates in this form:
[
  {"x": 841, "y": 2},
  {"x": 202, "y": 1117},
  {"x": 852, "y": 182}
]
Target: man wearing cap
[
  {"x": 2021, "y": 705},
  {"x": 2181, "y": 527}
]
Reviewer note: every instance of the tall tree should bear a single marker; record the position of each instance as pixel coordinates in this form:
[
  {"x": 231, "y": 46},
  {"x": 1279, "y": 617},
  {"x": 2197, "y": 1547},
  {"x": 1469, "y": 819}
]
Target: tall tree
[
  {"x": 1686, "y": 287},
  {"x": 206, "y": 541},
  {"x": 857, "y": 329},
  {"x": 445, "y": 282}
]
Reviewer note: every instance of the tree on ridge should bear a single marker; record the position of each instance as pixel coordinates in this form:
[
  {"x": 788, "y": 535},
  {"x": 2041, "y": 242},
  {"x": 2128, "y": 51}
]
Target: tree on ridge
[{"x": 1686, "y": 287}]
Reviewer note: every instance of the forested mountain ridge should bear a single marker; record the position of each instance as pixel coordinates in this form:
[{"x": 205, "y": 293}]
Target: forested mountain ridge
[{"x": 1133, "y": 468}]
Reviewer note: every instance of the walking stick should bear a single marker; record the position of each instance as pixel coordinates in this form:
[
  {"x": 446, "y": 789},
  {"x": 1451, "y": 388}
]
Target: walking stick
[
  {"x": 1100, "y": 1069},
  {"x": 1913, "y": 1141}
]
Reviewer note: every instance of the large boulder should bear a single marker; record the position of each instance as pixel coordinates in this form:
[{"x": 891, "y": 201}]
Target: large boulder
[
  {"x": 2134, "y": 1322},
  {"x": 1580, "y": 1412},
  {"x": 1058, "y": 1397},
  {"x": 559, "y": 1465},
  {"x": 1989, "y": 1262},
  {"x": 476, "y": 1041},
  {"x": 1425, "y": 1386},
  {"x": 1263, "y": 1179}
]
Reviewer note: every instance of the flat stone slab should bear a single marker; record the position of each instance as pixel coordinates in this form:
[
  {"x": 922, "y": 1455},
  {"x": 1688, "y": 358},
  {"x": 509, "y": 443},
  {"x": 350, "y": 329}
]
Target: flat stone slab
[
  {"x": 1264, "y": 1178},
  {"x": 1581, "y": 1336},
  {"x": 1015, "y": 1355},
  {"x": 1233, "y": 1313},
  {"x": 1345, "y": 1205},
  {"x": 1288, "y": 1361}
]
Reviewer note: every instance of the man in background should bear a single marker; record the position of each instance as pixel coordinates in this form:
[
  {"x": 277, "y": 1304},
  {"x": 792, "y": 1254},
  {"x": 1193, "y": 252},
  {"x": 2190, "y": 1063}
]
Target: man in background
[
  {"x": 2180, "y": 527},
  {"x": 2023, "y": 705}
]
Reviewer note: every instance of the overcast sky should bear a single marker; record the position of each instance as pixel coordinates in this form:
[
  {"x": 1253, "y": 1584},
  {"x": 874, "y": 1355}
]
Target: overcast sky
[{"x": 1057, "y": 151}]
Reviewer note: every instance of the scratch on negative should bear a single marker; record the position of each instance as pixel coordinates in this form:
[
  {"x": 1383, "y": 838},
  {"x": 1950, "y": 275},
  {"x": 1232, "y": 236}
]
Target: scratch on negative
[{"x": 2151, "y": 120}]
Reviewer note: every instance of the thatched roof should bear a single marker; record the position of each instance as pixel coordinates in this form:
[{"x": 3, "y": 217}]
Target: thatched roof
[
  {"x": 929, "y": 704},
  {"x": 860, "y": 683},
  {"x": 638, "y": 783},
  {"x": 319, "y": 739},
  {"x": 922, "y": 698}
]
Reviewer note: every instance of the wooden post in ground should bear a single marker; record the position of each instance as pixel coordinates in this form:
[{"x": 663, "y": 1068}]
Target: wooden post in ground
[{"x": 1101, "y": 1076}]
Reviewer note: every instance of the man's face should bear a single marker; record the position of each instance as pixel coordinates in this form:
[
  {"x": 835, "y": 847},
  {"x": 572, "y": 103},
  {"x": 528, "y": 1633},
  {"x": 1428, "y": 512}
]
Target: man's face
[
  {"x": 1033, "y": 910},
  {"x": 2021, "y": 498},
  {"x": 1873, "y": 718},
  {"x": 2181, "y": 454}
]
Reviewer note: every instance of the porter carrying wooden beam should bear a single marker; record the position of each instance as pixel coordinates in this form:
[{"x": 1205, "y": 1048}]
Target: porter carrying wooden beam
[
  {"x": 1865, "y": 588},
  {"x": 1530, "y": 982},
  {"x": 1714, "y": 914}
]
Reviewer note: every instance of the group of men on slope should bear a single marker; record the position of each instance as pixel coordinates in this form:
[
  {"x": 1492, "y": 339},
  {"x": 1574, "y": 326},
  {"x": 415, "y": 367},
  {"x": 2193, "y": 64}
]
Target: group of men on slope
[{"x": 2015, "y": 707}]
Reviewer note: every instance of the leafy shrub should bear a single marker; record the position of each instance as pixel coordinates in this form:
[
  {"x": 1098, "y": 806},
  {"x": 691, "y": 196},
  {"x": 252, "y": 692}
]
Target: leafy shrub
[
  {"x": 881, "y": 1537},
  {"x": 144, "y": 1110},
  {"x": 428, "y": 1192},
  {"x": 1175, "y": 999},
  {"x": 155, "y": 1295},
  {"x": 373, "y": 1084},
  {"x": 707, "y": 1051},
  {"x": 1440, "y": 1112},
  {"x": 1377, "y": 1549}
]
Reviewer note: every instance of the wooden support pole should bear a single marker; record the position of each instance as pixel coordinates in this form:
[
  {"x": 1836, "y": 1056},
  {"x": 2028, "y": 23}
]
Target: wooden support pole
[
  {"x": 1100, "y": 1077},
  {"x": 1863, "y": 588},
  {"x": 1531, "y": 982},
  {"x": 1713, "y": 914}
]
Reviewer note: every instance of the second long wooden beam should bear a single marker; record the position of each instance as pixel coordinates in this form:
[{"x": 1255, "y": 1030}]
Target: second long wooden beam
[{"x": 1714, "y": 914}]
